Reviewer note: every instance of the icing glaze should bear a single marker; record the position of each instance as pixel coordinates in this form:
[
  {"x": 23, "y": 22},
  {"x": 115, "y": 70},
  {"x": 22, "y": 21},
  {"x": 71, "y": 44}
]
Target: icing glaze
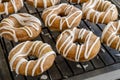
[
  {"x": 113, "y": 35},
  {"x": 25, "y": 20},
  {"x": 40, "y": 61},
  {"x": 96, "y": 3},
  {"x": 13, "y": 2},
  {"x": 67, "y": 46},
  {"x": 68, "y": 9},
  {"x": 53, "y": 2}
]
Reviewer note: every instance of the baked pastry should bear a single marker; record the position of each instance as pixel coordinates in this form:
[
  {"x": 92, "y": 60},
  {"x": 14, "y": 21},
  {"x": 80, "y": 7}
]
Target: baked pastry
[
  {"x": 61, "y": 17},
  {"x": 42, "y": 3},
  {"x": 10, "y": 6},
  {"x": 19, "y": 54},
  {"x": 99, "y": 11},
  {"x": 77, "y": 1},
  {"x": 110, "y": 35},
  {"x": 87, "y": 49},
  {"x": 20, "y": 27}
]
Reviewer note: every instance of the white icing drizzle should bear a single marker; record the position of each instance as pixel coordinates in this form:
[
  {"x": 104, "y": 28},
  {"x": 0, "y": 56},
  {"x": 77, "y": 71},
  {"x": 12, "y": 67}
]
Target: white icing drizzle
[
  {"x": 92, "y": 3},
  {"x": 45, "y": 3},
  {"x": 40, "y": 61},
  {"x": 26, "y": 68},
  {"x": 13, "y": 2},
  {"x": 35, "y": 3},
  {"x": 68, "y": 9},
  {"x": 12, "y": 33},
  {"x": 25, "y": 20},
  {"x": 16, "y": 55},
  {"x": 113, "y": 34},
  {"x": 67, "y": 46},
  {"x": 19, "y": 63}
]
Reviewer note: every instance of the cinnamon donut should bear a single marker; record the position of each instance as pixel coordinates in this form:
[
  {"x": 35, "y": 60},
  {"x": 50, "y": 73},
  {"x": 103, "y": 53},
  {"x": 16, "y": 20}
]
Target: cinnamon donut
[
  {"x": 110, "y": 35},
  {"x": 99, "y": 11},
  {"x": 18, "y": 58},
  {"x": 87, "y": 49},
  {"x": 20, "y": 27},
  {"x": 61, "y": 17},
  {"x": 42, "y": 3},
  {"x": 10, "y": 6},
  {"x": 77, "y": 1}
]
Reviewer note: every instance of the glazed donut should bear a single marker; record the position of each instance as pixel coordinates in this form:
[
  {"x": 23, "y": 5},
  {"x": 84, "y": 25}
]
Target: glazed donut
[
  {"x": 42, "y": 3},
  {"x": 77, "y": 1},
  {"x": 20, "y": 27},
  {"x": 61, "y": 17},
  {"x": 21, "y": 65},
  {"x": 10, "y": 6},
  {"x": 99, "y": 11},
  {"x": 87, "y": 50},
  {"x": 110, "y": 35}
]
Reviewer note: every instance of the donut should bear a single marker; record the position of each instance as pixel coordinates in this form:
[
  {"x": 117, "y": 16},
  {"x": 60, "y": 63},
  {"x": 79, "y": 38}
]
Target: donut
[
  {"x": 61, "y": 17},
  {"x": 20, "y": 27},
  {"x": 77, "y": 1},
  {"x": 78, "y": 45},
  {"x": 10, "y": 6},
  {"x": 42, "y": 3},
  {"x": 19, "y": 62},
  {"x": 110, "y": 35},
  {"x": 99, "y": 11}
]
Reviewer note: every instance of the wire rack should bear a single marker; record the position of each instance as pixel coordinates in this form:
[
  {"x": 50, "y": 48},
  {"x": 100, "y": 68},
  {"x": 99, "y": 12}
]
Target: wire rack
[{"x": 62, "y": 68}]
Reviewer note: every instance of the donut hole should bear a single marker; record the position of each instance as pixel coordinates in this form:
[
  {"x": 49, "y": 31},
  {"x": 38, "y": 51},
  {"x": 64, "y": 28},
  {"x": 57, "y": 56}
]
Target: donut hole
[
  {"x": 31, "y": 57},
  {"x": 5, "y": 1},
  {"x": 78, "y": 42},
  {"x": 18, "y": 25},
  {"x": 62, "y": 15}
]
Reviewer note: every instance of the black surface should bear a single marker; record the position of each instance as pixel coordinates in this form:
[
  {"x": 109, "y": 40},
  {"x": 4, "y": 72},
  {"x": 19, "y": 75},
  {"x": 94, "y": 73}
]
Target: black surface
[{"x": 105, "y": 61}]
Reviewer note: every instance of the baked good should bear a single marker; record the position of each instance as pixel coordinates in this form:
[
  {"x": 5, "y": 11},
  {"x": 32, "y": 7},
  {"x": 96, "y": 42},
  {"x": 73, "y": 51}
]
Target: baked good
[
  {"x": 99, "y": 11},
  {"x": 19, "y": 54},
  {"x": 110, "y": 35},
  {"x": 87, "y": 49},
  {"x": 42, "y": 3},
  {"x": 61, "y": 17},
  {"x": 20, "y": 27},
  {"x": 10, "y": 6},
  {"x": 77, "y": 1}
]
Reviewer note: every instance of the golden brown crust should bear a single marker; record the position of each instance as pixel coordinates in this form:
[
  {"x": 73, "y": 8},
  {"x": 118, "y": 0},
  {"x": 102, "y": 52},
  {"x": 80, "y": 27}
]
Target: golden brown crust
[
  {"x": 20, "y": 31},
  {"x": 31, "y": 49},
  {"x": 10, "y": 6},
  {"x": 110, "y": 35},
  {"x": 66, "y": 43},
  {"x": 77, "y": 1},
  {"x": 42, "y": 3},
  {"x": 61, "y": 17},
  {"x": 99, "y": 11}
]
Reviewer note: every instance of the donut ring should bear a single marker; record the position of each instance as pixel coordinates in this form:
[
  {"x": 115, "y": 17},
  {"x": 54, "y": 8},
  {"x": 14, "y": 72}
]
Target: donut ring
[
  {"x": 20, "y": 27},
  {"x": 110, "y": 35},
  {"x": 19, "y": 54},
  {"x": 99, "y": 11},
  {"x": 61, "y": 17},
  {"x": 42, "y": 3},
  {"x": 67, "y": 47},
  {"x": 10, "y": 6},
  {"x": 77, "y": 1}
]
